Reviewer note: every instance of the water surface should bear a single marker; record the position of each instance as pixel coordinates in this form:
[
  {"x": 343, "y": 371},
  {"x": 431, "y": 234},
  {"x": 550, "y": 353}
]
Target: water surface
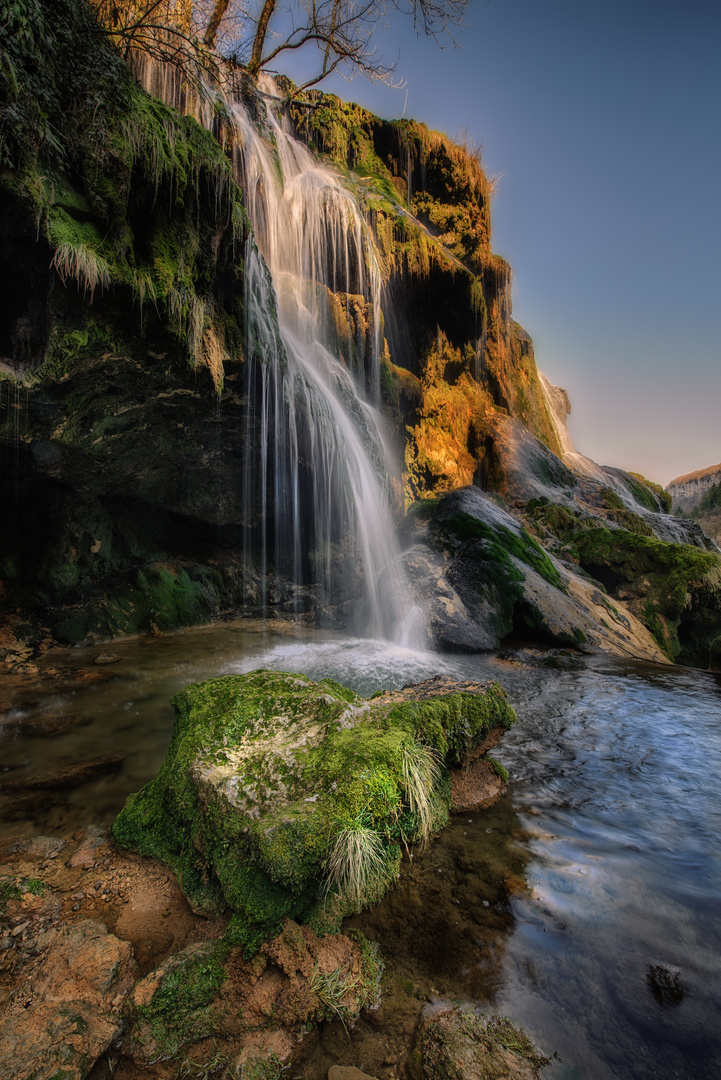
[{"x": 601, "y": 866}]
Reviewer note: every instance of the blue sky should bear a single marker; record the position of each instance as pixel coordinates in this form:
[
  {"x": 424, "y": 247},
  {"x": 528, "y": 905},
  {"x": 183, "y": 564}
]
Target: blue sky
[{"x": 605, "y": 119}]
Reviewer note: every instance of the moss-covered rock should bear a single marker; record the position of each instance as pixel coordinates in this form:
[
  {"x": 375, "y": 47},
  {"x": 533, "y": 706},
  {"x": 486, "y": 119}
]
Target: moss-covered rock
[
  {"x": 282, "y": 797},
  {"x": 675, "y": 589},
  {"x": 463, "y": 1045},
  {"x": 480, "y": 579}
]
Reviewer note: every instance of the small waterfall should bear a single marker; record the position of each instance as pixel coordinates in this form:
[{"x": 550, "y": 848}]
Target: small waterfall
[
  {"x": 316, "y": 476},
  {"x": 559, "y": 406}
]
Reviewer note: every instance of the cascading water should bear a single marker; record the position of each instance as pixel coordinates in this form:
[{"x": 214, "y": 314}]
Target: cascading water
[{"x": 316, "y": 475}]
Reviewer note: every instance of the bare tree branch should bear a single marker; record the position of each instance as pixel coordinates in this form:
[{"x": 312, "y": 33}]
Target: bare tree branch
[{"x": 186, "y": 33}]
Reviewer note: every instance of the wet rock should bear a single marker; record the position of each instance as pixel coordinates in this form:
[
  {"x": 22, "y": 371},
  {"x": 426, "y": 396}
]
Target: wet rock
[
  {"x": 462, "y": 1045},
  {"x": 481, "y": 576},
  {"x": 174, "y": 1005},
  {"x": 347, "y": 1072},
  {"x": 478, "y": 786},
  {"x": 33, "y": 807},
  {"x": 62, "y": 1020},
  {"x": 93, "y": 841},
  {"x": 285, "y": 798},
  {"x": 266, "y": 1005},
  {"x": 665, "y": 985},
  {"x": 48, "y": 724},
  {"x": 69, "y": 777}
]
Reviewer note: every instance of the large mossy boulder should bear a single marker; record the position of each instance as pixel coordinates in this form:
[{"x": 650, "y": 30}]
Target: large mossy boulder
[
  {"x": 282, "y": 797},
  {"x": 675, "y": 589}
]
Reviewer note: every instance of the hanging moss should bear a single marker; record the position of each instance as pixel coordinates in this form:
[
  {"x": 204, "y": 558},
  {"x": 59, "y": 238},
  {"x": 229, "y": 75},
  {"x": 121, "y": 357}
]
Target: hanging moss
[{"x": 128, "y": 194}]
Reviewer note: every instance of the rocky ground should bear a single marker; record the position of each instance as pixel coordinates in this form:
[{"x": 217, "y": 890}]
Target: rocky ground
[{"x": 94, "y": 940}]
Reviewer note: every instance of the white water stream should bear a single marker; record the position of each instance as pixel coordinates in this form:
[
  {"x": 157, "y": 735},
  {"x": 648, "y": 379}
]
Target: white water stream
[{"x": 317, "y": 478}]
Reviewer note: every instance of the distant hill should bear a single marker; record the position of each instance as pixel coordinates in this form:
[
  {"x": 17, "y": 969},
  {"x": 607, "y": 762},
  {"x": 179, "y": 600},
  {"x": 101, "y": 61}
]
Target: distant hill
[{"x": 698, "y": 495}]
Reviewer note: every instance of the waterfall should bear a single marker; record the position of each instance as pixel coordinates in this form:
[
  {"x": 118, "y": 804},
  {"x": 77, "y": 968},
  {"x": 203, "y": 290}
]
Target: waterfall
[
  {"x": 316, "y": 477},
  {"x": 559, "y": 406}
]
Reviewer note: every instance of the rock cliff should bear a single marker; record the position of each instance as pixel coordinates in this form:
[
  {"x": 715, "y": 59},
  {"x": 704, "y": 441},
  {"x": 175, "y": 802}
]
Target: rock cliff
[
  {"x": 687, "y": 491},
  {"x": 698, "y": 495},
  {"x": 128, "y": 414}
]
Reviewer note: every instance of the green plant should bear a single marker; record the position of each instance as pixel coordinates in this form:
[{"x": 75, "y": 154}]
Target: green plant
[
  {"x": 500, "y": 770},
  {"x": 420, "y": 775},
  {"x": 85, "y": 266},
  {"x": 12, "y": 888},
  {"x": 355, "y": 860},
  {"x": 334, "y": 988},
  {"x": 218, "y": 1064},
  {"x": 262, "y": 1068}
]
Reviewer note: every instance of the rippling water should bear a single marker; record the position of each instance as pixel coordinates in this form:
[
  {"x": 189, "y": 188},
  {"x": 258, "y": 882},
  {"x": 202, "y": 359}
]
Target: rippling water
[{"x": 611, "y": 831}]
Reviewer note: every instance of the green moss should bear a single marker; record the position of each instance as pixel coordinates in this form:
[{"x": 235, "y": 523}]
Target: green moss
[
  {"x": 14, "y": 887},
  {"x": 612, "y": 499},
  {"x": 503, "y": 542},
  {"x": 671, "y": 582},
  {"x": 183, "y": 1009},
  {"x": 650, "y": 495},
  {"x": 500, "y": 770},
  {"x": 130, "y": 196}
]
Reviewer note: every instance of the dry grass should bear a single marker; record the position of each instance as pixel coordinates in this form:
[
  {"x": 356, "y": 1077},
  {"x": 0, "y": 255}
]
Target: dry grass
[
  {"x": 355, "y": 859},
  {"x": 420, "y": 774},
  {"x": 83, "y": 265}
]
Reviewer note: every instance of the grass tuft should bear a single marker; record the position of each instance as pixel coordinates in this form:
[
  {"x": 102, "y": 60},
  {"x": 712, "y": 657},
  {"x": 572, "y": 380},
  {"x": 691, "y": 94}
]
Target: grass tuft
[
  {"x": 355, "y": 860},
  {"x": 421, "y": 773},
  {"x": 83, "y": 265}
]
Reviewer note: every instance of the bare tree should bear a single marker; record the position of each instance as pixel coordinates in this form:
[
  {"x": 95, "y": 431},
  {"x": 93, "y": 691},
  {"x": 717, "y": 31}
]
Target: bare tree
[{"x": 341, "y": 30}]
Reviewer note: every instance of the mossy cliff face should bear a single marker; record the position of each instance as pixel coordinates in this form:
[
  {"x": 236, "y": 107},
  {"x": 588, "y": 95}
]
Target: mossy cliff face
[
  {"x": 282, "y": 797},
  {"x": 454, "y": 354},
  {"x": 121, "y": 266}
]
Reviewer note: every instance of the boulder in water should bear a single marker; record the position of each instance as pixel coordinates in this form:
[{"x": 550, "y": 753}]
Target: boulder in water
[
  {"x": 479, "y": 576},
  {"x": 281, "y": 797}
]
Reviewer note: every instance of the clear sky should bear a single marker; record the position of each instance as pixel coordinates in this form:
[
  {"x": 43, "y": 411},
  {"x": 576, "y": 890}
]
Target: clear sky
[{"x": 605, "y": 118}]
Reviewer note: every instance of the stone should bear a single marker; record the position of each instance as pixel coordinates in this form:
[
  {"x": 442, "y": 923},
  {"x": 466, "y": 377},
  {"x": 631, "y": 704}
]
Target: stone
[
  {"x": 61, "y": 1021},
  {"x": 69, "y": 777},
  {"x": 458, "y": 1044},
  {"x": 347, "y": 1072},
  {"x": 476, "y": 787},
  {"x": 478, "y": 576}
]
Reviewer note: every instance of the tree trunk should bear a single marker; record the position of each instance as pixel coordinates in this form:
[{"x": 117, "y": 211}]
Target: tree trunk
[
  {"x": 259, "y": 42},
  {"x": 221, "y": 6}
]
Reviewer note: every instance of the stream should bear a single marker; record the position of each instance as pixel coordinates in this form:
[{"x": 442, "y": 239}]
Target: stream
[{"x": 584, "y": 904}]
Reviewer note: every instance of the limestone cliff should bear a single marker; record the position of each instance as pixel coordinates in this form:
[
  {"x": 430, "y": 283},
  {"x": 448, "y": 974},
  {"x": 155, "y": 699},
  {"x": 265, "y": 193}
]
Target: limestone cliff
[
  {"x": 698, "y": 495},
  {"x": 454, "y": 355},
  {"x": 687, "y": 491}
]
